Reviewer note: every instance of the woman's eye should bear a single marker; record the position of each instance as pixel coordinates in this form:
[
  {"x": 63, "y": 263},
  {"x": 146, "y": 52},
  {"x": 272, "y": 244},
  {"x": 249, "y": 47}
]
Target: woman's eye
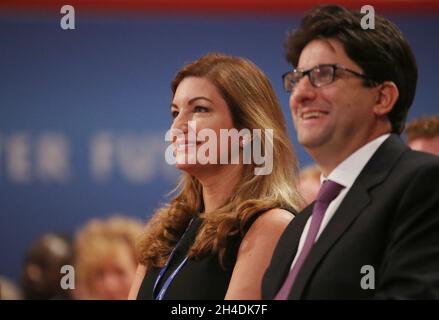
[
  {"x": 200, "y": 109},
  {"x": 174, "y": 114}
]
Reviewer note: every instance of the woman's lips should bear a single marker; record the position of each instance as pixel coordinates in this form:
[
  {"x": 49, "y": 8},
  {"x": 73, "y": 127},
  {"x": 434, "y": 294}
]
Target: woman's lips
[{"x": 183, "y": 146}]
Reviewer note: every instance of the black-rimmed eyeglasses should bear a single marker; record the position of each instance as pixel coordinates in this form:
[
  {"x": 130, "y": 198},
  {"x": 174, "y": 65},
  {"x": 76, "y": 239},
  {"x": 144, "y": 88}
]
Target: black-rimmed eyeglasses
[{"x": 319, "y": 76}]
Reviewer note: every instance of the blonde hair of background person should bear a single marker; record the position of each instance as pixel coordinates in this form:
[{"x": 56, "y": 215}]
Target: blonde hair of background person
[
  {"x": 105, "y": 258},
  {"x": 423, "y": 134},
  {"x": 9, "y": 290},
  {"x": 310, "y": 182},
  {"x": 232, "y": 195}
]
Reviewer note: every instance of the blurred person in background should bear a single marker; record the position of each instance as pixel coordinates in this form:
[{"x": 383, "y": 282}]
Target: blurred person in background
[
  {"x": 42, "y": 268},
  {"x": 215, "y": 238},
  {"x": 423, "y": 134},
  {"x": 9, "y": 290},
  {"x": 105, "y": 259},
  {"x": 310, "y": 182}
]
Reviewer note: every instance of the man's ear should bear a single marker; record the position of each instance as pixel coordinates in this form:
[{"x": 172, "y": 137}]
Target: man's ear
[{"x": 387, "y": 96}]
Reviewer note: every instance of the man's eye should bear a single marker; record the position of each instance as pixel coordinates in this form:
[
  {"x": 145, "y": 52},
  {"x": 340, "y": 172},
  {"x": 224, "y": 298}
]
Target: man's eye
[
  {"x": 200, "y": 109},
  {"x": 174, "y": 114}
]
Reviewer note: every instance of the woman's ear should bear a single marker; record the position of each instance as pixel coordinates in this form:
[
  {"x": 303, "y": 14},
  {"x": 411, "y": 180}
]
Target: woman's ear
[{"x": 386, "y": 98}]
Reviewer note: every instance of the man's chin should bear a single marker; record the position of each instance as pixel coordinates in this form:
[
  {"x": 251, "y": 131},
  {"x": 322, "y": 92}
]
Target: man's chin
[
  {"x": 309, "y": 142},
  {"x": 306, "y": 141}
]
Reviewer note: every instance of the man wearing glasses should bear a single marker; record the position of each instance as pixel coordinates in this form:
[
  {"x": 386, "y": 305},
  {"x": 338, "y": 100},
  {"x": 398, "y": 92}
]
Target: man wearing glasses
[{"x": 373, "y": 230}]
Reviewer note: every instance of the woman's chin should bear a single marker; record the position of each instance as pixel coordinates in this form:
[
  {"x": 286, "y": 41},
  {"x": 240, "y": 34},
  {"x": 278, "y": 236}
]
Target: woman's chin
[
  {"x": 187, "y": 167},
  {"x": 193, "y": 169}
]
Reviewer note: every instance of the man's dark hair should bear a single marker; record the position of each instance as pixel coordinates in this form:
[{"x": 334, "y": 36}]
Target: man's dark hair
[{"x": 383, "y": 53}]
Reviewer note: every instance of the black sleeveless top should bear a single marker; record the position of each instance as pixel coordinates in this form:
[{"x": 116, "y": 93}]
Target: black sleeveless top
[{"x": 202, "y": 279}]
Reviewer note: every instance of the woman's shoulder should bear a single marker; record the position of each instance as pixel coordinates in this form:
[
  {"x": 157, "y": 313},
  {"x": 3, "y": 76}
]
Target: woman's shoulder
[
  {"x": 263, "y": 234},
  {"x": 271, "y": 220},
  {"x": 276, "y": 217},
  {"x": 272, "y": 217}
]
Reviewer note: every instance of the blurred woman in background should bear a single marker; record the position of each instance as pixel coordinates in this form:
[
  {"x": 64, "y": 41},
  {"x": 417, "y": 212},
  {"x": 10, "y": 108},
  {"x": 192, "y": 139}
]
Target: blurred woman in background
[
  {"x": 105, "y": 258},
  {"x": 309, "y": 182}
]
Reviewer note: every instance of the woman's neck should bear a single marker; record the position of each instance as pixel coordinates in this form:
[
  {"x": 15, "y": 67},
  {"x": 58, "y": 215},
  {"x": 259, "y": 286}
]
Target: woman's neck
[{"x": 218, "y": 187}]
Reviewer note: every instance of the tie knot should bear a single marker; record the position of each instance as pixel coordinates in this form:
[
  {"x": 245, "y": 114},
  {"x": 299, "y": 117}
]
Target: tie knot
[{"x": 329, "y": 191}]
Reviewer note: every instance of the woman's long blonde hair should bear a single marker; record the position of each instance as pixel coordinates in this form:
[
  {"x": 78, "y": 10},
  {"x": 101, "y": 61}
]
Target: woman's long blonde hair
[{"x": 253, "y": 105}]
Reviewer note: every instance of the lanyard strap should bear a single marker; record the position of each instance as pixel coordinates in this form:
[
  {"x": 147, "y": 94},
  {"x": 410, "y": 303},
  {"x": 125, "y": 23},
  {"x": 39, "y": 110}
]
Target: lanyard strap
[
  {"x": 169, "y": 280},
  {"x": 174, "y": 273}
]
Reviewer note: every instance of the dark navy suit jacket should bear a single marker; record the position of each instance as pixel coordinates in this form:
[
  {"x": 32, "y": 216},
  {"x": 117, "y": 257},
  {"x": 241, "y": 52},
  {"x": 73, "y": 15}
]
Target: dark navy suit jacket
[{"x": 389, "y": 220}]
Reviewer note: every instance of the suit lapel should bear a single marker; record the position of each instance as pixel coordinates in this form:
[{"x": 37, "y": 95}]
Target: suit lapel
[{"x": 355, "y": 202}]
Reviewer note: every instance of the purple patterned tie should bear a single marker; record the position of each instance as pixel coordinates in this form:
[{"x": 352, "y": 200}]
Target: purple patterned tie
[{"x": 328, "y": 192}]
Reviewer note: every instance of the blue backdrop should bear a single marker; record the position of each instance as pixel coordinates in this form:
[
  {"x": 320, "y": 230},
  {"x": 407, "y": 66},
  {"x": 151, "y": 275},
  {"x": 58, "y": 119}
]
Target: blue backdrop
[{"x": 95, "y": 101}]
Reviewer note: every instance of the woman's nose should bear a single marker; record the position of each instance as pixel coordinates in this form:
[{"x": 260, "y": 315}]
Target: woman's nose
[{"x": 181, "y": 123}]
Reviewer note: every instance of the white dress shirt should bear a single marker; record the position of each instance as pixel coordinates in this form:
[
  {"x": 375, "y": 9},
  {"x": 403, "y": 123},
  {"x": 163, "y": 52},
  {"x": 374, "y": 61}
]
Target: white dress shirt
[{"x": 345, "y": 174}]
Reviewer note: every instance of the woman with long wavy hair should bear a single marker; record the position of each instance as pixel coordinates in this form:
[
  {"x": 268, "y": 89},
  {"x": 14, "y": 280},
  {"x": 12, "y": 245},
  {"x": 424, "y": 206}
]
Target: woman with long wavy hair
[{"x": 215, "y": 238}]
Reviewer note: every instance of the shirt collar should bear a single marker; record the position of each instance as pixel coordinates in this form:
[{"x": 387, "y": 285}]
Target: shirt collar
[{"x": 348, "y": 170}]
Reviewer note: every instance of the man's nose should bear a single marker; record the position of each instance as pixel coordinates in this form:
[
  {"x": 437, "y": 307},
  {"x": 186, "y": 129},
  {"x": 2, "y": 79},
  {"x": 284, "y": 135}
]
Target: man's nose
[{"x": 303, "y": 91}]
